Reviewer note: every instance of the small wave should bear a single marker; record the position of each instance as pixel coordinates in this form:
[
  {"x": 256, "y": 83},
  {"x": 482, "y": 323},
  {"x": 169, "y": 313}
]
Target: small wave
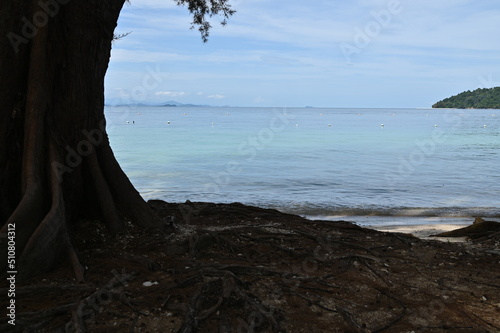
[{"x": 487, "y": 212}]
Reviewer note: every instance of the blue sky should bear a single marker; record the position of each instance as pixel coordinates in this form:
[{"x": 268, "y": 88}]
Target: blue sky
[{"x": 322, "y": 53}]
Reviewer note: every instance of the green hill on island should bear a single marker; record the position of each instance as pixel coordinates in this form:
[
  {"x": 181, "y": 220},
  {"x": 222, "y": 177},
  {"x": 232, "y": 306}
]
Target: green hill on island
[{"x": 477, "y": 99}]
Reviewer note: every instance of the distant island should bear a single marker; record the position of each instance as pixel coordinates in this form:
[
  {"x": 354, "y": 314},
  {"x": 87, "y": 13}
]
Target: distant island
[
  {"x": 175, "y": 104},
  {"x": 477, "y": 99},
  {"x": 165, "y": 104}
]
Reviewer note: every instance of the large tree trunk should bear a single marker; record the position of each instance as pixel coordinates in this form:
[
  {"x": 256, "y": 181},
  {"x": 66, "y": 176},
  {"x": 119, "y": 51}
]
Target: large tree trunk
[{"x": 55, "y": 160}]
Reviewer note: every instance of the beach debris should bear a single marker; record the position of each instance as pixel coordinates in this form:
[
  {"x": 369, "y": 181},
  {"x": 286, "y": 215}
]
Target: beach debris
[
  {"x": 149, "y": 283},
  {"x": 497, "y": 252},
  {"x": 478, "y": 220},
  {"x": 480, "y": 228}
]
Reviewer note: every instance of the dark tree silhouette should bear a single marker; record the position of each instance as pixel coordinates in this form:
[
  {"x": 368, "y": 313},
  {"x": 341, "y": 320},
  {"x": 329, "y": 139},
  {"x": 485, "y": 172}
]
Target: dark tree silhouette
[{"x": 56, "y": 164}]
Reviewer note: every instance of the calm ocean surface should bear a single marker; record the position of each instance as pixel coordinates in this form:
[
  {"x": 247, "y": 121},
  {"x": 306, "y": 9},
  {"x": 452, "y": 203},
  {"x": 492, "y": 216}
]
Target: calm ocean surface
[{"x": 367, "y": 165}]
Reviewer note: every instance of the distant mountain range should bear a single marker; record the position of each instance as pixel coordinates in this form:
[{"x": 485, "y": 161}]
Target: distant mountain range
[
  {"x": 174, "y": 104},
  {"x": 477, "y": 99},
  {"x": 117, "y": 102},
  {"x": 164, "y": 104}
]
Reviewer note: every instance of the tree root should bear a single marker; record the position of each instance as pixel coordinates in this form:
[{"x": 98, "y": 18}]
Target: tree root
[
  {"x": 91, "y": 305},
  {"x": 33, "y": 321},
  {"x": 398, "y": 317},
  {"x": 104, "y": 196},
  {"x": 127, "y": 197},
  {"x": 144, "y": 261},
  {"x": 351, "y": 321},
  {"x": 30, "y": 210},
  {"x": 39, "y": 252},
  {"x": 316, "y": 303},
  {"x": 41, "y": 289},
  {"x": 222, "y": 289},
  {"x": 41, "y": 245}
]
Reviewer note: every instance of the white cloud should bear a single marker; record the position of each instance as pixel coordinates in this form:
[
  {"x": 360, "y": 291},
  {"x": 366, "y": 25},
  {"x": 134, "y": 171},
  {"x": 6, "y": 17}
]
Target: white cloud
[
  {"x": 157, "y": 4},
  {"x": 171, "y": 93},
  {"x": 123, "y": 55},
  {"x": 258, "y": 100},
  {"x": 216, "y": 96},
  {"x": 271, "y": 48}
]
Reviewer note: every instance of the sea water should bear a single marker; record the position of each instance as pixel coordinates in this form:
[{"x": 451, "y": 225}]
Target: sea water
[{"x": 367, "y": 165}]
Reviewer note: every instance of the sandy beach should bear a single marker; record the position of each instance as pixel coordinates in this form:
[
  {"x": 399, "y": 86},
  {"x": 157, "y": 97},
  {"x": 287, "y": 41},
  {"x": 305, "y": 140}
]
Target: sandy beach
[
  {"x": 423, "y": 231},
  {"x": 419, "y": 226}
]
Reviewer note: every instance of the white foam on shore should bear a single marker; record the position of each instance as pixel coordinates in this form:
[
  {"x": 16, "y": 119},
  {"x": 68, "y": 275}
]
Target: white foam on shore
[
  {"x": 421, "y": 227},
  {"x": 425, "y": 231},
  {"x": 387, "y": 221}
]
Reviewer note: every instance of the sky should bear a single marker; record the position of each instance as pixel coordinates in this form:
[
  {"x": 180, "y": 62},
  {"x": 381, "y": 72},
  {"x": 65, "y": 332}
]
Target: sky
[{"x": 321, "y": 53}]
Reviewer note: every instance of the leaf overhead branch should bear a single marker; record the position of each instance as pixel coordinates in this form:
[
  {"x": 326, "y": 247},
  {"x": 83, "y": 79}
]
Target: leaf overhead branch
[{"x": 201, "y": 10}]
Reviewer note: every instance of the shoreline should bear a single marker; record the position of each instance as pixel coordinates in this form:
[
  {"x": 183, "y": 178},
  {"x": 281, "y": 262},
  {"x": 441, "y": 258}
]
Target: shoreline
[
  {"x": 423, "y": 231},
  {"x": 418, "y": 226}
]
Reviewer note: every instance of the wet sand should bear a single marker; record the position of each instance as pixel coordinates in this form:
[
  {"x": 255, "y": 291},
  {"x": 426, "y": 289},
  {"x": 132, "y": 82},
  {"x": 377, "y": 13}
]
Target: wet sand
[
  {"x": 423, "y": 231},
  {"x": 419, "y": 226}
]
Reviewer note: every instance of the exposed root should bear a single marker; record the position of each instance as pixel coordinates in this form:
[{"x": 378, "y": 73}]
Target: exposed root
[
  {"x": 36, "y": 320},
  {"x": 78, "y": 268},
  {"x": 51, "y": 237},
  {"x": 86, "y": 310},
  {"x": 126, "y": 196},
  {"x": 54, "y": 288},
  {"x": 30, "y": 210},
  {"x": 397, "y": 318},
  {"x": 221, "y": 289},
  {"x": 228, "y": 275},
  {"x": 104, "y": 196}
]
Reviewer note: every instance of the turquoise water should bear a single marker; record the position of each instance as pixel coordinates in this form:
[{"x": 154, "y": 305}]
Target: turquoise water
[{"x": 315, "y": 162}]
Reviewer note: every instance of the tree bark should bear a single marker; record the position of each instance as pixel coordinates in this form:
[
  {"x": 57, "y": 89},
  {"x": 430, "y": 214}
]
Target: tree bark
[{"x": 55, "y": 160}]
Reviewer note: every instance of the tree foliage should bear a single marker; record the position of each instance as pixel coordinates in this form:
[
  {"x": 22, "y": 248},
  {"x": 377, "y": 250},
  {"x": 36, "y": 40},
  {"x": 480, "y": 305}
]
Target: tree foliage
[
  {"x": 477, "y": 99},
  {"x": 203, "y": 9}
]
